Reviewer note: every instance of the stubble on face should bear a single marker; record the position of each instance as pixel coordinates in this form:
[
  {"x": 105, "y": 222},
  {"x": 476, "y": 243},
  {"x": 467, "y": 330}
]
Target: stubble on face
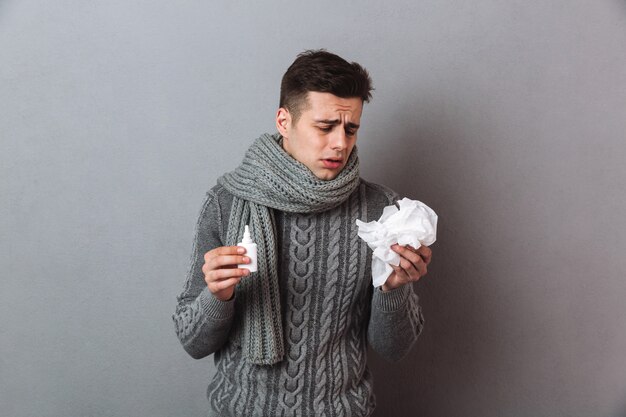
[{"x": 324, "y": 134}]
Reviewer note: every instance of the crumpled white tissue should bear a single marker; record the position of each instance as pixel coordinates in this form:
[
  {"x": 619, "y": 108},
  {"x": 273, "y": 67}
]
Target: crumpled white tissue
[{"x": 413, "y": 223}]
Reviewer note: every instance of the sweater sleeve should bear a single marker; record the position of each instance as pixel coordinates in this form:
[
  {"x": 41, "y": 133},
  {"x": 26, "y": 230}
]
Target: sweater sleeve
[
  {"x": 395, "y": 322},
  {"x": 202, "y": 321},
  {"x": 396, "y": 318}
]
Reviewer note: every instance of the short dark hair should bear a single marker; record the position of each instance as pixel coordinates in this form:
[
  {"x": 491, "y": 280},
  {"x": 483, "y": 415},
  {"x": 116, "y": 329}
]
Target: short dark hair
[{"x": 324, "y": 72}]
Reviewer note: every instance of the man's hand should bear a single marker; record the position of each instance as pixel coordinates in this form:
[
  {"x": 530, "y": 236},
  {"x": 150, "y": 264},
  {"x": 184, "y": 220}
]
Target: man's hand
[
  {"x": 413, "y": 266},
  {"x": 220, "y": 270}
]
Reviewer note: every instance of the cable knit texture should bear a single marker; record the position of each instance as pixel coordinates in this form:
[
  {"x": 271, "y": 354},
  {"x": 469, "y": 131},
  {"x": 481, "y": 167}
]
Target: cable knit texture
[
  {"x": 270, "y": 179},
  {"x": 329, "y": 312}
]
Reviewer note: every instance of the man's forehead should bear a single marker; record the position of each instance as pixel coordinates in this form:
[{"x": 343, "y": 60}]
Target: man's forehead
[
  {"x": 323, "y": 105},
  {"x": 325, "y": 97}
]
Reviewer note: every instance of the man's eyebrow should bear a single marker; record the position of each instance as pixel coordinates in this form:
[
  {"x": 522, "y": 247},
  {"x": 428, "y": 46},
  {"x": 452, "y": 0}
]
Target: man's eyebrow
[{"x": 335, "y": 122}]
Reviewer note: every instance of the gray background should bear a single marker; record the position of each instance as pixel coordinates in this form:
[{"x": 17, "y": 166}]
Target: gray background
[{"x": 506, "y": 117}]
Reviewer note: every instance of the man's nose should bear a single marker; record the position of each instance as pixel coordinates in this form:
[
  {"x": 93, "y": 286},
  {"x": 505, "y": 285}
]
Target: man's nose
[{"x": 339, "y": 139}]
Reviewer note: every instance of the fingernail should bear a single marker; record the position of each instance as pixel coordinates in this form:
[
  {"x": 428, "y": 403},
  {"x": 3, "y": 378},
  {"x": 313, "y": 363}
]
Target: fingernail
[
  {"x": 246, "y": 272},
  {"x": 246, "y": 259},
  {"x": 241, "y": 250}
]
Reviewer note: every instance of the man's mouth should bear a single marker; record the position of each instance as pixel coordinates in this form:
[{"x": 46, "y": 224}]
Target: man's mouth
[{"x": 332, "y": 163}]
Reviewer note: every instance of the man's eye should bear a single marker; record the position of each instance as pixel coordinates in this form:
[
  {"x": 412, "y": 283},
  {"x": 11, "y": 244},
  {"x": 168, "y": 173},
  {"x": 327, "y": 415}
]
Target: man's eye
[
  {"x": 350, "y": 132},
  {"x": 326, "y": 129}
]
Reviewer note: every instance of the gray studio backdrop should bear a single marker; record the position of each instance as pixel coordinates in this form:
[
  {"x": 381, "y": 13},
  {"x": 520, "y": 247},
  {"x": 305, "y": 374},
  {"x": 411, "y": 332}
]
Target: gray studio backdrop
[{"x": 506, "y": 117}]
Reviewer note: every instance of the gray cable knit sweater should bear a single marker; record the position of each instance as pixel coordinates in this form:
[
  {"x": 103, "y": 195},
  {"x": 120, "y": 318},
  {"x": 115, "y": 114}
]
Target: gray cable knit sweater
[{"x": 330, "y": 311}]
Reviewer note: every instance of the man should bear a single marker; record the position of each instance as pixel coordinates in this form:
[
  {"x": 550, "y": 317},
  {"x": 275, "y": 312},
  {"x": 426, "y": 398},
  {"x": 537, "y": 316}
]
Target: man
[{"x": 291, "y": 338}]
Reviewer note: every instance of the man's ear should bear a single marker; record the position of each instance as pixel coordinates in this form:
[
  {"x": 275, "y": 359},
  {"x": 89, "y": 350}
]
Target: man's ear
[{"x": 283, "y": 121}]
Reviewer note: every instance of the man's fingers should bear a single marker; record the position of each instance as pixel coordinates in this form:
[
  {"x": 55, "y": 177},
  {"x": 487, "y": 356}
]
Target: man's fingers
[
  {"x": 423, "y": 253},
  {"x": 224, "y": 250},
  {"x": 414, "y": 270},
  {"x": 224, "y": 284},
  {"x": 426, "y": 253},
  {"x": 413, "y": 262},
  {"x": 408, "y": 253},
  {"x": 221, "y": 272},
  {"x": 401, "y": 273},
  {"x": 225, "y": 274},
  {"x": 422, "y": 269},
  {"x": 226, "y": 260}
]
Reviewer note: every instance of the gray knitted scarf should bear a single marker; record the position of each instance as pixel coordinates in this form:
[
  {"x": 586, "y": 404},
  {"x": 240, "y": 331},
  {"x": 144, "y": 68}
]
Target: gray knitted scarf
[{"x": 269, "y": 178}]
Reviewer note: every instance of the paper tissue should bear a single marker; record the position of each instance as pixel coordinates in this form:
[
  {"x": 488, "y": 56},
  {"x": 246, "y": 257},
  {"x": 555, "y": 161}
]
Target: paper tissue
[{"x": 413, "y": 223}]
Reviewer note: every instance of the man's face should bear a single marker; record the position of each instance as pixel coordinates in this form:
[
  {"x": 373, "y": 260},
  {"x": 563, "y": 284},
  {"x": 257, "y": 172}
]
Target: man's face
[{"x": 323, "y": 136}]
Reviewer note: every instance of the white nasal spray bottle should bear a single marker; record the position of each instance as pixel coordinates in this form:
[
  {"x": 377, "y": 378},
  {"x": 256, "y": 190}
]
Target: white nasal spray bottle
[{"x": 250, "y": 251}]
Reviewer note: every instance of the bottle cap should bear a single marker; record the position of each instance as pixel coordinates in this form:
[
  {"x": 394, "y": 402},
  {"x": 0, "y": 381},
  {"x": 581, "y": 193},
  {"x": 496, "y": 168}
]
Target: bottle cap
[{"x": 246, "y": 236}]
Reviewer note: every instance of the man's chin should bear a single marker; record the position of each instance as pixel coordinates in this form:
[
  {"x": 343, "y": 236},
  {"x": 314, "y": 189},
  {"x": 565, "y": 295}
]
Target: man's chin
[{"x": 327, "y": 175}]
